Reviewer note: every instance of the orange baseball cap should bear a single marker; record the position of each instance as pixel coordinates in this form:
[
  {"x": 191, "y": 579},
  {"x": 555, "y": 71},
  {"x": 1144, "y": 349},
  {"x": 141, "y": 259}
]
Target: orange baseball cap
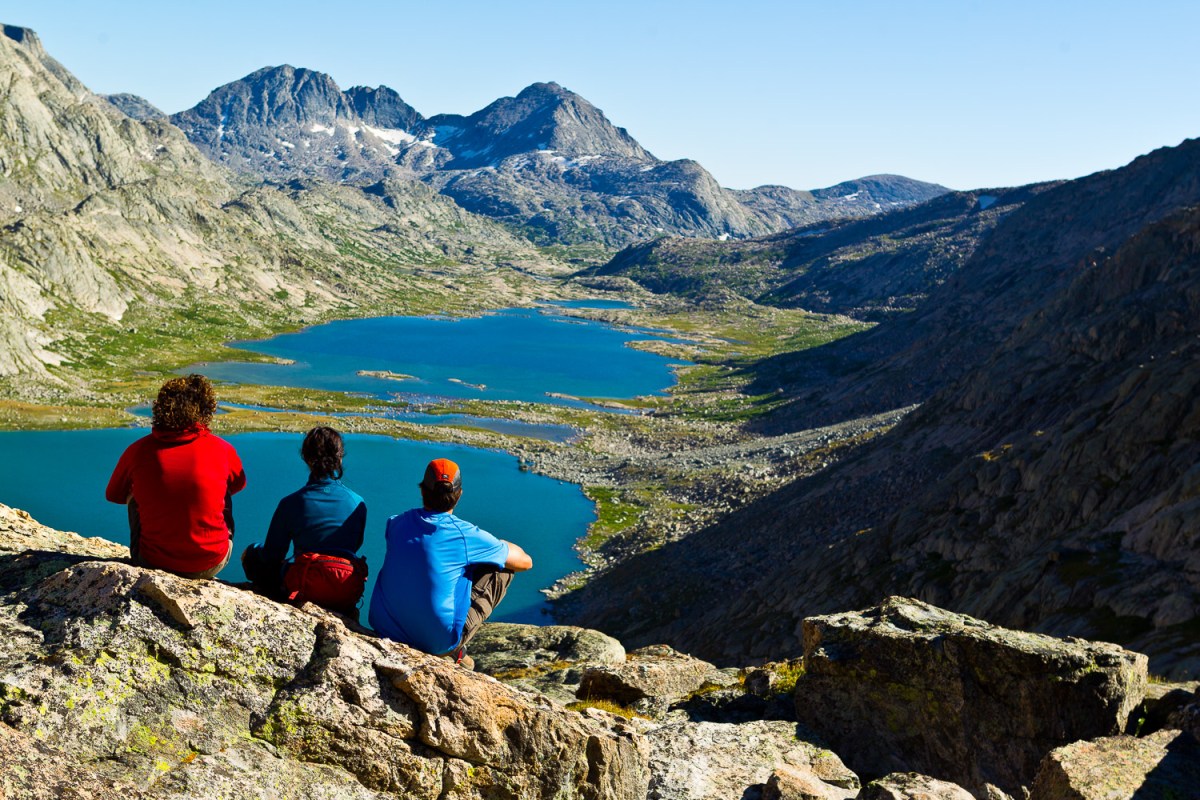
[{"x": 442, "y": 471}]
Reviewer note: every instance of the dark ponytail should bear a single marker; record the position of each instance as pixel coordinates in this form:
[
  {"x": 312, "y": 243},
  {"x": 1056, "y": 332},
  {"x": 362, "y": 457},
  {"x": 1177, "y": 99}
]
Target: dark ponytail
[{"x": 322, "y": 451}]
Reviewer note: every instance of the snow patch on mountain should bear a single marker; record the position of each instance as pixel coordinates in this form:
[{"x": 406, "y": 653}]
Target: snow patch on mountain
[{"x": 392, "y": 135}]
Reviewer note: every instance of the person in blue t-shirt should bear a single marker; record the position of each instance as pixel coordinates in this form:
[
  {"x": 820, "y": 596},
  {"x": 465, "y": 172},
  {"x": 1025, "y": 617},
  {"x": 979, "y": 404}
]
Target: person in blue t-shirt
[
  {"x": 322, "y": 517},
  {"x": 442, "y": 576}
]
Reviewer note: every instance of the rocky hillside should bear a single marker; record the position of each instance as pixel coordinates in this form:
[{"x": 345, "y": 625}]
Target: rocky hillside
[
  {"x": 870, "y": 267},
  {"x": 784, "y": 208},
  {"x": 106, "y": 220},
  {"x": 546, "y": 162},
  {"x": 1049, "y": 484},
  {"x": 1026, "y": 262},
  {"x": 123, "y": 682}
]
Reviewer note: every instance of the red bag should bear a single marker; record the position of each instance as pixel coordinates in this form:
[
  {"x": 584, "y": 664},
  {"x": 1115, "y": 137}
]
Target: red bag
[{"x": 331, "y": 581}]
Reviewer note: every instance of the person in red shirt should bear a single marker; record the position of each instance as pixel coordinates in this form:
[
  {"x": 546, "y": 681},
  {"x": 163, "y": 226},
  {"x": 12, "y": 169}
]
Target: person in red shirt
[{"x": 179, "y": 484}]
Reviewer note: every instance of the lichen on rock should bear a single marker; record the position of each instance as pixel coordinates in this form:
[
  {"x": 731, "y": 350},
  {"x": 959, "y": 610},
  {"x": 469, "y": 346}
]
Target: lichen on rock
[
  {"x": 906, "y": 686},
  {"x": 164, "y": 687}
]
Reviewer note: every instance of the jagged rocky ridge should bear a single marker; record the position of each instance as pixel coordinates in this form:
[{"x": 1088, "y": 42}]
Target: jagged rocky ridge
[
  {"x": 133, "y": 106},
  {"x": 122, "y": 682},
  {"x": 547, "y": 162},
  {"x": 1049, "y": 481},
  {"x": 102, "y": 214}
]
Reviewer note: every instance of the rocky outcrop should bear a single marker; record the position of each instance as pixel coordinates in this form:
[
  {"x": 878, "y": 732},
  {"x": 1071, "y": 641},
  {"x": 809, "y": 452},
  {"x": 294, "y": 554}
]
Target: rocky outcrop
[
  {"x": 547, "y": 659},
  {"x": 652, "y": 680},
  {"x": 501, "y": 646},
  {"x": 165, "y": 687},
  {"x": 1161, "y": 766},
  {"x": 711, "y": 761},
  {"x": 909, "y": 687},
  {"x": 913, "y": 786},
  {"x": 122, "y": 682}
]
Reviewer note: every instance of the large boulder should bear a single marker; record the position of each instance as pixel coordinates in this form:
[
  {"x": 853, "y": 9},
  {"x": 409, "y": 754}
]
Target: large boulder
[
  {"x": 549, "y": 659},
  {"x": 714, "y": 761},
  {"x": 912, "y": 786},
  {"x": 1161, "y": 766},
  {"x": 164, "y": 687},
  {"x": 652, "y": 680},
  {"x": 906, "y": 687}
]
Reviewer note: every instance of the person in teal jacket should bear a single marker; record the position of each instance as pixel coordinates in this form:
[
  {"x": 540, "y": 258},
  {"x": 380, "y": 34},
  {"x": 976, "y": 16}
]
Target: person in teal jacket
[{"x": 323, "y": 516}]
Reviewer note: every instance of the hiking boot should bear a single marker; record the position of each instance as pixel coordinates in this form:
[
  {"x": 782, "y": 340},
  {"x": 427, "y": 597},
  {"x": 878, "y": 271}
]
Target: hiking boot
[
  {"x": 460, "y": 658},
  {"x": 463, "y": 660}
]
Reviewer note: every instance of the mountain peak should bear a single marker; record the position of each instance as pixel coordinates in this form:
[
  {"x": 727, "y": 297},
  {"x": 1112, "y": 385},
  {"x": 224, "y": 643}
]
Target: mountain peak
[
  {"x": 544, "y": 88},
  {"x": 133, "y": 106},
  {"x": 543, "y": 116},
  {"x": 28, "y": 39},
  {"x": 279, "y": 95},
  {"x": 383, "y": 106},
  {"x": 24, "y": 36}
]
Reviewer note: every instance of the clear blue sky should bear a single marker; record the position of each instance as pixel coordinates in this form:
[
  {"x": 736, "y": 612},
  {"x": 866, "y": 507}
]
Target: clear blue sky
[{"x": 965, "y": 93}]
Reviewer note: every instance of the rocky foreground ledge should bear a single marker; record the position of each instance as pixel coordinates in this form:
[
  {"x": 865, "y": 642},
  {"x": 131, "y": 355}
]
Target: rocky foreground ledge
[{"x": 121, "y": 682}]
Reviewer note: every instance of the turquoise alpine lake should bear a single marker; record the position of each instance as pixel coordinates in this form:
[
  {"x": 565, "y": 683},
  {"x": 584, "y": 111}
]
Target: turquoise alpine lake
[
  {"x": 515, "y": 354},
  {"x": 59, "y": 477},
  {"x": 533, "y": 355}
]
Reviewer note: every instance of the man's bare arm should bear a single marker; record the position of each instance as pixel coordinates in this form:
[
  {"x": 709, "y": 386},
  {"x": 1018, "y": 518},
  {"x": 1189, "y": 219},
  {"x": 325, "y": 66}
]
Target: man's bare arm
[{"x": 518, "y": 559}]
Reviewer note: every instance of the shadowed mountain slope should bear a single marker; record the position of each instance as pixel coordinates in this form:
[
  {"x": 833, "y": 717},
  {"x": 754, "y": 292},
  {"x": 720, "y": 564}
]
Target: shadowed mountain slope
[
  {"x": 1029, "y": 258},
  {"x": 1051, "y": 485}
]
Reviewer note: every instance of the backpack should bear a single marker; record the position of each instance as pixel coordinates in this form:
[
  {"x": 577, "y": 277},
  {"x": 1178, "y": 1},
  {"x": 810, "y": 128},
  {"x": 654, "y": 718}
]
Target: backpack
[{"x": 332, "y": 581}]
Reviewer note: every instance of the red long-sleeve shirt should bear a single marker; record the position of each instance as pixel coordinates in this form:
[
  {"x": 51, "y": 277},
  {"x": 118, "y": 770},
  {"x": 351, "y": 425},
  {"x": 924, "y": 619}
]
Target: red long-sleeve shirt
[{"x": 182, "y": 482}]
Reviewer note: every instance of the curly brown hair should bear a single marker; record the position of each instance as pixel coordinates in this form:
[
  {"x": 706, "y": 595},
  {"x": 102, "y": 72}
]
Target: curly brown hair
[
  {"x": 184, "y": 402},
  {"x": 323, "y": 451}
]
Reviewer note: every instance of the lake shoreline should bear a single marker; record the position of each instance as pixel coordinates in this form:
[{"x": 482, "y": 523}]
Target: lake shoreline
[{"x": 677, "y": 463}]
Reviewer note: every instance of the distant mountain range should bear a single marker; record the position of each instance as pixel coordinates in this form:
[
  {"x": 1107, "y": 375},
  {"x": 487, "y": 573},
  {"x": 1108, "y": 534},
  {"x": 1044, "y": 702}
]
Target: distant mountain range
[
  {"x": 108, "y": 210},
  {"x": 868, "y": 267},
  {"x": 547, "y": 162}
]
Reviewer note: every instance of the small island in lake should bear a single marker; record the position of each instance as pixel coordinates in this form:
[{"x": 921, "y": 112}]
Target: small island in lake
[{"x": 385, "y": 374}]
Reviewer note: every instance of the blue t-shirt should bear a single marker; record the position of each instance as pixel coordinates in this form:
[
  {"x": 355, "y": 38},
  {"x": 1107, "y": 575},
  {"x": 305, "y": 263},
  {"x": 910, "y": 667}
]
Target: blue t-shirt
[
  {"x": 322, "y": 516},
  {"x": 423, "y": 593}
]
